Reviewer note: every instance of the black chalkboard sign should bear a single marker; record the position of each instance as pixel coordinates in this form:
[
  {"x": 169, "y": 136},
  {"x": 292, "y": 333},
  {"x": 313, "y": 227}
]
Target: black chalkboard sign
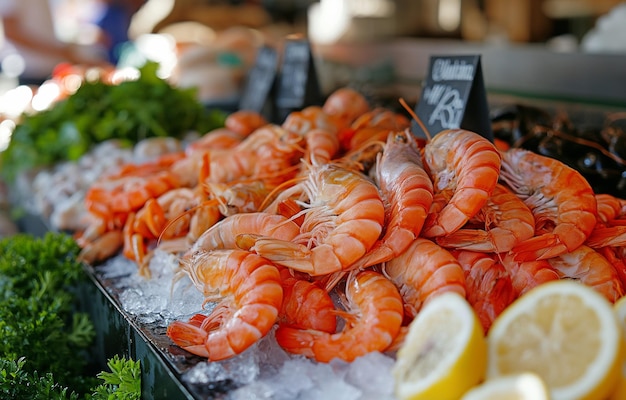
[
  {"x": 454, "y": 96},
  {"x": 298, "y": 86},
  {"x": 260, "y": 82}
]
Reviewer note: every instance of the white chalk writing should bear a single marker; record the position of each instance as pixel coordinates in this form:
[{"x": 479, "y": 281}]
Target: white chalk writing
[
  {"x": 449, "y": 109},
  {"x": 446, "y": 70}
]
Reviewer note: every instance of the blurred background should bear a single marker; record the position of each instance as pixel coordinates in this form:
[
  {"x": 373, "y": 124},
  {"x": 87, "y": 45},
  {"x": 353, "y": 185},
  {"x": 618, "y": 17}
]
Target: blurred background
[{"x": 565, "y": 49}]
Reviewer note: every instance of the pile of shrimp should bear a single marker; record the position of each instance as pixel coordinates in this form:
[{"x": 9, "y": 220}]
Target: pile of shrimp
[{"x": 338, "y": 225}]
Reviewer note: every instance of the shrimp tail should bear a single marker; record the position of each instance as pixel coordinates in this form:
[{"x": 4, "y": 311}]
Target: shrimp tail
[
  {"x": 540, "y": 247},
  {"x": 469, "y": 239},
  {"x": 301, "y": 341},
  {"x": 317, "y": 261},
  {"x": 381, "y": 252},
  {"x": 273, "y": 249},
  {"x": 308, "y": 306},
  {"x": 609, "y": 236},
  {"x": 189, "y": 336}
]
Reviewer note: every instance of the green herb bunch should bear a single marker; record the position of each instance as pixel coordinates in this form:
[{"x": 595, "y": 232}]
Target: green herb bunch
[
  {"x": 122, "y": 383},
  {"x": 129, "y": 111},
  {"x": 38, "y": 321},
  {"x": 42, "y": 351}
]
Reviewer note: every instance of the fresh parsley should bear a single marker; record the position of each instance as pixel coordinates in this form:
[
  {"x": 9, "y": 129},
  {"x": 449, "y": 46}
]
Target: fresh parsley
[{"x": 129, "y": 111}]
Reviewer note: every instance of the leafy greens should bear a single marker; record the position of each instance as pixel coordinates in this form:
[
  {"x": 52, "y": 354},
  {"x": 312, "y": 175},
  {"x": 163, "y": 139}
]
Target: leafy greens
[{"x": 129, "y": 111}]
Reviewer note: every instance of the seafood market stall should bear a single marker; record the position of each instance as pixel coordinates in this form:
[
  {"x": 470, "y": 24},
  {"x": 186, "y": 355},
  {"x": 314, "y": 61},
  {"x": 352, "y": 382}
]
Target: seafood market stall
[{"x": 154, "y": 218}]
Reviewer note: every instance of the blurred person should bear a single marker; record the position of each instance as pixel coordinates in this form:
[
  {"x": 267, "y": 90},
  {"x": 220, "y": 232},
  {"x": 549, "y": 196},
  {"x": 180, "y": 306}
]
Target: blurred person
[
  {"x": 31, "y": 49},
  {"x": 114, "y": 20}
]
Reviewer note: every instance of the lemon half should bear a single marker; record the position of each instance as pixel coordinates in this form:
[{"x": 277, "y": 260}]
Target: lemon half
[
  {"x": 444, "y": 353},
  {"x": 620, "y": 310},
  {"x": 565, "y": 332},
  {"x": 523, "y": 386}
]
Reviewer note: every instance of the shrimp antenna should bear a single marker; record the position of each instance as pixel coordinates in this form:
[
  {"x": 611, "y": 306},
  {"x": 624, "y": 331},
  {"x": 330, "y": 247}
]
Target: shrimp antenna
[
  {"x": 286, "y": 184},
  {"x": 171, "y": 222},
  {"x": 415, "y": 117}
]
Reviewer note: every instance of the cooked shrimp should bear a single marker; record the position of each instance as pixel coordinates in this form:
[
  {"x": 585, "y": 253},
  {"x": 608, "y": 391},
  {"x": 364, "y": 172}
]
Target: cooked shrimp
[
  {"x": 561, "y": 199},
  {"x": 321, "y": 146},
  {"x": 610, "y": 208},
  {"x": 525, "y": 275},
  {"x": 500, "y": 224},
  {"x": 101, "y": 248},
  {"x": 249, "y": 292},
  {"x": 464, "y": 167},
  {"x": 112, "y": 198},
  {"x": 269, "y": 151},
  {"x": 309, "y": 118},
  {"x": 132, "y": 185},
  {"x": 372, "y": 317},
  {"x": 423, "y": 271},
  {"x": 239, "y": 197},
  {"x": 306, "y": 305},
  {"x": 489, "y": 286},
  {"x": 345, "y": 105},
  {"x": 343, "y": 218},
  {"x": 217, "y": 139},
  {"x": 244, "y": 122},
  {"x": 224, "y": 234},
  {"x": 407, "y": 193},
  {"x": 616, "y": 256},
  {"x": 603, "y": 236},
  {"x": 375, "y": 125},
  {"x": 182, "y": 213},
  {"x": 591, "y": 268},
  {"x": 381, "y": 118}
]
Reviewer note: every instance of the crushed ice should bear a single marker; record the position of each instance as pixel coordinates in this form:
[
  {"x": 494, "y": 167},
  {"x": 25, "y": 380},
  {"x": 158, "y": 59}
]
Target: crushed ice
[{"x": 263, "y": 372}]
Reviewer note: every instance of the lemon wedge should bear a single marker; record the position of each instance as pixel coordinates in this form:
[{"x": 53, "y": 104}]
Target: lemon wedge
[
  {"x": 565, "y": 332},
  {"x": 522, "y": 386},
  {"x": 444, "y": 353},
  {"x": 620, "y": 310}
]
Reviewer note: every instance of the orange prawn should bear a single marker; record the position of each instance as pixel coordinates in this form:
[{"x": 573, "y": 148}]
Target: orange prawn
[
  {"x": 464, "y": 167},
  {"x": 489, "y": 286},
  {"x": 375, "y": 125},
  {"x": 306, "y": 305},
  {"x": 343, "y": 218},
  {"x": 561, "y": 199},
  {"x": 217, "y": 139},
  {"x": 407, "y": 192},
  {"x": 244, "y": 122},
  {"x": 345, "y": 105},
  {"x": 321, "y": 146},
  {"x": 500, "y": 224},
  {"x": 423, "y": 271},
  {"x": 610, "y": 209},
  {"x": 616, "y": 256},
  {"x": 309, "y": 118},
  {"x": 525, "y": 275},
  {"x": 248, "y": 289},
  {"x": 224, "y": 234},
  {"x": 373, "y": 317},
  {"x": 128, "y": 191},
  {"x": 591, "y": 268},
  {"x": 268, "y": 152},
  {"x": 177, "y": 217},
  {"x": 102, "y": 247},
  {"x": 239, "y": 197}
]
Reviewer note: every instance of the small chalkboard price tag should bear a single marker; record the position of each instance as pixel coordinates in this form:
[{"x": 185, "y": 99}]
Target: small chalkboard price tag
[
  {"x": 260, "y": 81},
  {"x": 298, "y": 86},
  {"x": 454, "y": 96}
]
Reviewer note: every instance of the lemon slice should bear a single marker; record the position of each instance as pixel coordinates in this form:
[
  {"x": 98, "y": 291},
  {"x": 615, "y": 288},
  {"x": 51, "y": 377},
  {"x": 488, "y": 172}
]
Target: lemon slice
[
  {"x": 523, "y": 386},
  {"x": 444, "y": 353},
  {"x": 565, "y": 332},
  {"x": 620, "y": 310}
]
